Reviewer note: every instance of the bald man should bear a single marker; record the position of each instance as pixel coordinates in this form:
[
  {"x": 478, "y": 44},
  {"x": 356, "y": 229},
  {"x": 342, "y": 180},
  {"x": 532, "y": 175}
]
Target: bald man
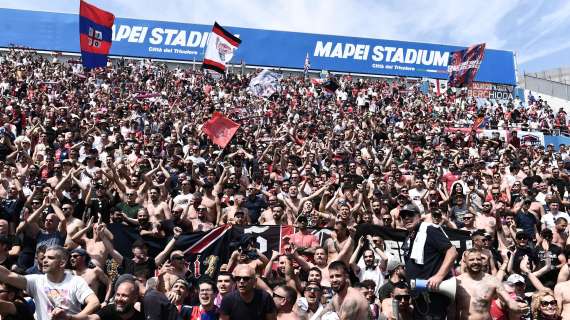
[{"x": 247, "y": 302}]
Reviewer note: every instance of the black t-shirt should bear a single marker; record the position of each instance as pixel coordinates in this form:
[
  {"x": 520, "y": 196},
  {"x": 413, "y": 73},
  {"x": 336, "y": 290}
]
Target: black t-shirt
[
  {"x": 261, "y": 305},
  {"x": 435, "y": 247},
  {"x": 22, "y": 312},
  {"x": 386, "y": 290},
  {"x": 129, "y": 266},
  {"x": 550, "y": 277},
  {"x": 110, "y": 313},
  {"x": 157, "y": 307}
]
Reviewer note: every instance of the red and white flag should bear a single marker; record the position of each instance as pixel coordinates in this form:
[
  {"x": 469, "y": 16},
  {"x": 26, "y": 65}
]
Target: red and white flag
[
  {"x": 219, "y": 49},
  {"x": 220, "y": 129}
]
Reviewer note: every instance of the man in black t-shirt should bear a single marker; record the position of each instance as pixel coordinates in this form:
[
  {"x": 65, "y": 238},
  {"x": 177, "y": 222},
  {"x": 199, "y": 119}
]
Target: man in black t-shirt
[
  {"x": 123, "y": 309},
  {"x": 433, "y": 262},
  {"x": 247, "y": 302}
]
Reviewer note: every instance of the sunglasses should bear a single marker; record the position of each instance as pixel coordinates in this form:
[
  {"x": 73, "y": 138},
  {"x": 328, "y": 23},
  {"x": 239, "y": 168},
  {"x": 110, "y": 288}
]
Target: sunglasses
[
  {"x": 548, "y": 303},
  {"x": 313, "y": 289},
  {"x": 467, "y": 218},
  {"x": 246, "y": 279},
  {"x": 401, "y": 297},
  {"x": 522, "y": 238}
]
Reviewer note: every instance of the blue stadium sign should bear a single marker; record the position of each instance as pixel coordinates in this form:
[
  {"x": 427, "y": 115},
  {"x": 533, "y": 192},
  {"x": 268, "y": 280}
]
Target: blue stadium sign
[{"x": 183, "y": 41}]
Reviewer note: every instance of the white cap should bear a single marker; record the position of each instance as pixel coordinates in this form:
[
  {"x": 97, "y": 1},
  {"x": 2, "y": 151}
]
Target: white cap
[{"x": 515, "y": 278}]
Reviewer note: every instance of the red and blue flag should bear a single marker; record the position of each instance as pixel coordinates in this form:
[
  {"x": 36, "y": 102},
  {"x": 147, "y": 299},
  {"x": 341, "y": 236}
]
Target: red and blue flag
[
  {"x": 464, "y": 64},
  {"x": 95, "y": 35}
]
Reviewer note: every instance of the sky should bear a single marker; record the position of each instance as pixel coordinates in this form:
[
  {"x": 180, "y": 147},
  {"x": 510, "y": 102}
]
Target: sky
[{"x": 537, "y": 31}]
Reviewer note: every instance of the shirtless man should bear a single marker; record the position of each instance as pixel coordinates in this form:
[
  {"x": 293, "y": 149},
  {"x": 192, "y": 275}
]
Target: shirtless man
[
  {"x": 95, "y": 277},
  {"x": 559, "y": 234},
  {"x": 93, "y": 244},
  {"x": 244, "y": 255},
  {"x": 174, "y": 269},
  {"x": 348, "y": 303},
  {"x": 158, "y": 210},
  {"x": 72, "y": 225},
  {"x": 285, "y": 298},
  {"x": 273, "y": 216},
  {"x": 210, "y": 201},
  {"x": 230, "y": 212},
  {"x": 486, "y": 220},
  {"x": 476, "y": 289},
  {"x": 562, "y": 295},
  {"x": 200, "y": 223},
  {"x": 337, "y": 241},
  {"x": 322, "y": 262}
]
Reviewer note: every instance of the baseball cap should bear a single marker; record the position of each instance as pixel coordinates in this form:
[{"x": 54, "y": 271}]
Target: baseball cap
[
  {"x": 392, "y": 265},
  {"x": 515, "y": 278},
  {"x": 79, "y": 251}
]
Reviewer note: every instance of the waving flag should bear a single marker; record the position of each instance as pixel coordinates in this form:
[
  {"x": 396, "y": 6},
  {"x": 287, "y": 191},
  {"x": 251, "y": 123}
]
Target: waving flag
[
  {"x": 95, "y": 35},
  {"x": 265, "y": 84},
  {"x": 307, "y": 65},
  {"x": 220, "y": 129},
  {"x": 464, "y": 64},
  {"x": 219, "y": 49}
]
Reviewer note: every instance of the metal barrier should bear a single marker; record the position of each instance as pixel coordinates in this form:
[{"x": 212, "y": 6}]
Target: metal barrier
[{"x": 552, "y": 88}]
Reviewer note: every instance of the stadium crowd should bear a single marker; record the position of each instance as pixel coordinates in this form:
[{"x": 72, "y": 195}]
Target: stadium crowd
[{"x": 84, "y": 154}]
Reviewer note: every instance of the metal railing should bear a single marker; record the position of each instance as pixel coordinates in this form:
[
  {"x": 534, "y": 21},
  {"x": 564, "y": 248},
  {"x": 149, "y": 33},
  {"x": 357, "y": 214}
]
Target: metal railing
[{"x": 535, "y": 83}]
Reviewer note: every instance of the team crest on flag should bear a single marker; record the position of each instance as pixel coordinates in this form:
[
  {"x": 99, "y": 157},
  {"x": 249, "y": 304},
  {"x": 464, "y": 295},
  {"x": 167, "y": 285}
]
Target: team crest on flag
[
  {"x": 95, "y": 35},
  {"x": 220, "y": 129},
  {"x": 219, "y": 49},
  {"x": 464, "y": 64}
]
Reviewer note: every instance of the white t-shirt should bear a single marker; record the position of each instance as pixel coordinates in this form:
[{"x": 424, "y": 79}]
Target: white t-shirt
[
  {"x": 69, "y": 294},
  {"x": 416, "y": 196},
  {"x": 549, "y": 219}
]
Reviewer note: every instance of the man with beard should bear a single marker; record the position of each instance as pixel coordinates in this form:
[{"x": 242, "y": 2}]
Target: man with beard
[
  {"x": 476, "y": 289},
  {"x": 348, "y": 303},
  {"x": 247, "y": 302},
  {"x": 371, "y": 270},
  {"x": 429, "y": 255},
  {"x": 126, "y": 296},
  {"x": 95, "y": 277}
]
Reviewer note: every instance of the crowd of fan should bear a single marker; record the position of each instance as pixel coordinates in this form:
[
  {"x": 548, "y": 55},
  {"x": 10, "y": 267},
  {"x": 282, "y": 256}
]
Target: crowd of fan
[{"x": 87, "y": 155}]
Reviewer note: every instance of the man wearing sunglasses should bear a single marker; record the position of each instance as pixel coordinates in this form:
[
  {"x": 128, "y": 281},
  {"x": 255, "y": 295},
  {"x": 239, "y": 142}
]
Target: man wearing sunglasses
[
  {"x": 247, "y": 302},
  {"x": 399, "y": 305},
  {"x": 309, "y": 305}
]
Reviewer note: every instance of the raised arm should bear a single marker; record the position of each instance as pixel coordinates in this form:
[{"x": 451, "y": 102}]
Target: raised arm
[
  {"x": 12, "y": 278},
  {"x": 161, "y": 257},
  {"x": 109, "y": 247}
]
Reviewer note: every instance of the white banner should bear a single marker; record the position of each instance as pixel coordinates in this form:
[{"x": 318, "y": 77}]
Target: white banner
[{"x": 265, "y": 83}]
